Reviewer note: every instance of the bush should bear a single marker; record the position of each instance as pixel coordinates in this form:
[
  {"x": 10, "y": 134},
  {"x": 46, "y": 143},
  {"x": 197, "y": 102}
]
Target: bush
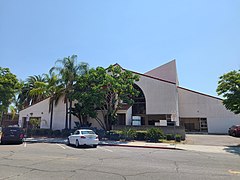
[
  {"x": 128, "y": 134},
  {"x": 169, "y": 137},
  {"x": 141, "y": 135},
  {"x": 154, "y": 134},
  {"x": 38, "y": 132},
  {"x": 101, "y": 133},
  {"x": 56, "y": 133},
  {"x": 67, "y": 132},
  {"x": 178, "y": 137},
  {"x": 113, "y": 136}
]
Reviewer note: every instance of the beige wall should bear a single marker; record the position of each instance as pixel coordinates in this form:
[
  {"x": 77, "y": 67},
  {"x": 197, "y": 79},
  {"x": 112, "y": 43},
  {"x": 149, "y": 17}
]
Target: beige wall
[
  {"x": 38, "y": 110},
  {"x": 195, "y": 105},
  {"x": 161, "y": 97},
  {"x": 41, "y": 110}
]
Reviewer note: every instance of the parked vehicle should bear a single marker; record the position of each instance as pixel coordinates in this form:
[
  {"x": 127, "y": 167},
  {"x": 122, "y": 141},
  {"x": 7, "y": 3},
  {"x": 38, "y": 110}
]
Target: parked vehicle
[
  {"x": 234, "y": 130},
  {"x": 83, "y": 137},
  {"x": 11, "y": 135}
]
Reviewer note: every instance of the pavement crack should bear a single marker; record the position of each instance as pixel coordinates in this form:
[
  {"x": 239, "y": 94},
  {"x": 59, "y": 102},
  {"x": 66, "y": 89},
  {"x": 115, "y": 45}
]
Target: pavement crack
[
  {"x": 8, "y": 157},
  {"x": 177, "y": 167},
  {"x": 18, "y": 175},
  {"x": 94, "y": 170}
]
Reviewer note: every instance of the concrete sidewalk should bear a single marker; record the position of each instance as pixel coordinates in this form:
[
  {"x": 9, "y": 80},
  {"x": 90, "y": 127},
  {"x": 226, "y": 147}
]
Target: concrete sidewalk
[{"x": 143, "y": 144}]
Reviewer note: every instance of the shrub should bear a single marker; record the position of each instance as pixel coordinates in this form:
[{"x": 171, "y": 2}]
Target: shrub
[
  {"x": 178, "y": 137},
  {"x": 141, "y": 135},
  {"x": 101, "y": 133},
  {"x": 66, "y": 132},
  {"x": 128, "y": 134},
  {"x": 154, "y": 134},
  {"x": 169, "y": 137},
  {"x": 113, "y": 136},
  {"x": 56, "y": 133}
]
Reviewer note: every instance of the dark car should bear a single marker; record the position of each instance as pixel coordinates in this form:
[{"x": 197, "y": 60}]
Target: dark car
[
  {"x": 11, "y": 135},
  {"x": 234, "y": 130}
]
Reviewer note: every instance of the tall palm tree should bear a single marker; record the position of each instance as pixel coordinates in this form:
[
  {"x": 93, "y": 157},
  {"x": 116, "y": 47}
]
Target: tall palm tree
[
  {"x": 69, "y": 69},
  {"x": 54, "y": 90}
]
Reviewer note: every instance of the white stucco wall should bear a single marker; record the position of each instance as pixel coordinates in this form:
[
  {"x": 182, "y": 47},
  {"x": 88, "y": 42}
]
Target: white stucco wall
[
  {"x": 41, "y": 109},
  {"x": 161, "y": 97},
  {"x": 195, "y": 105},
  {"x": 38, "y": 110}
]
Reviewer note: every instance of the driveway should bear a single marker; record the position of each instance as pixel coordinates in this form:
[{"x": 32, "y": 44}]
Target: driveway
[{"x": 212, "y": 140}]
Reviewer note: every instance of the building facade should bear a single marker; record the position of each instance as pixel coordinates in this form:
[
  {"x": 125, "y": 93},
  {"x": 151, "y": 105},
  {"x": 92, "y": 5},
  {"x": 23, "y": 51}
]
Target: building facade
[{"x": 161, "y": 102}]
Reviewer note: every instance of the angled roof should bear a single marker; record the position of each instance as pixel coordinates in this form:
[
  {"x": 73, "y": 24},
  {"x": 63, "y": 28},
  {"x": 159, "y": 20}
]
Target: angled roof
[
  {"x": 166, "y": 72},
  {"x": 151, "y": 74}
]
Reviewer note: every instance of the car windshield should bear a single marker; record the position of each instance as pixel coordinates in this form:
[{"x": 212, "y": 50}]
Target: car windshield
[{"x": 87, "y": 132}]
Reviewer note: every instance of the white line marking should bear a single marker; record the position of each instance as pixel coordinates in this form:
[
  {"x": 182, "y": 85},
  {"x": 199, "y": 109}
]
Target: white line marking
[
  {"x": 105, "y": 149},
  {"x": 61, "y": 146},
  {"x": 25, "y": 144}
]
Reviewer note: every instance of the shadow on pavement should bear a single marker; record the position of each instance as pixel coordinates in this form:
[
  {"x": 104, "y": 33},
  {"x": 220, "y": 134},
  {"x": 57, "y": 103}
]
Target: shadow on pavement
[
  {"x": 233, "y": 149},
  {"x": 81, "y": 146}
]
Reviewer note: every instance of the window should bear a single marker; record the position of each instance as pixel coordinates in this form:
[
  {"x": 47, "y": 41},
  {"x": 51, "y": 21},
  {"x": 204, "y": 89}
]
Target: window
[
  {"x": 139, "y": 106},
  {"x": 76, "y": 132},
  {"x": 87, "y": 132}
]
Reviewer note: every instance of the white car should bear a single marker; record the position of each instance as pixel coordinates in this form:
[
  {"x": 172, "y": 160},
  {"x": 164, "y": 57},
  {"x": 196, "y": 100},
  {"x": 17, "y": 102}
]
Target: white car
[{"x": 83, "y": 137}]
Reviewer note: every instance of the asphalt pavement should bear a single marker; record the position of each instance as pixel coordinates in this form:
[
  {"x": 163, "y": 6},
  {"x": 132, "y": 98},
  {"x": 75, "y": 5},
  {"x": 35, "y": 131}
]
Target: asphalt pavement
[
  {"x": 200, "y": 143},
  {"x": 59, "y": 161}
]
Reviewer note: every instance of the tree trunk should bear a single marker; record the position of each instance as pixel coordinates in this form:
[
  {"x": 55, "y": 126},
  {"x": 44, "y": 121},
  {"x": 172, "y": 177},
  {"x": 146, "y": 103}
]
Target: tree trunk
[
  {"x": 66, "y": 120},
  {"x": 70, "y": 115},
  {"x": 51, "y": 116}
]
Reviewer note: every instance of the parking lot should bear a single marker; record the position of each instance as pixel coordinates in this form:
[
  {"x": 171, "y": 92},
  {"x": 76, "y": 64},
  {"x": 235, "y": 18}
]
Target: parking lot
[{"x": 59, "y": 161}]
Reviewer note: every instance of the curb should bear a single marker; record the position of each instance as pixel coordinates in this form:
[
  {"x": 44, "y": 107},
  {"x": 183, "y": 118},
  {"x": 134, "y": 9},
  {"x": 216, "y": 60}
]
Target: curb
[
  {"x": 105, "y": 144},
  {"x": 135, "y": 146}
]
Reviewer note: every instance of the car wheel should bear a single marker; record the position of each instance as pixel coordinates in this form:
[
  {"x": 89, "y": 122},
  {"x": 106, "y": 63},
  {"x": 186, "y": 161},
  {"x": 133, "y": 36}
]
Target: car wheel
[
  {"x": 77, "y": 144},
  {"x": 68, "y": 141},
  {"x": 94, "y": 146},
  {"x": 234, "y": 134}
]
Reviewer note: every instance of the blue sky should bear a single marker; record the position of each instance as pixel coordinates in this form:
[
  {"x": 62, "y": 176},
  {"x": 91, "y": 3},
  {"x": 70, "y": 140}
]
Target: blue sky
[{"x": 203, "y": 36}]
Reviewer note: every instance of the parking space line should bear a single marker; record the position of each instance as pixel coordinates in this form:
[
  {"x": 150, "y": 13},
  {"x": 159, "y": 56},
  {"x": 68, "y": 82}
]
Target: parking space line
[
  {"x": 61, "y": 146},
  {"x": 105, "y": 149},
  {"x": 25, "y": 144},
  {"x": 234, "y": 172}
]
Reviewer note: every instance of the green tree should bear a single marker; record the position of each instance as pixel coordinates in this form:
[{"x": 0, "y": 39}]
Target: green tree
[
  {"x": 68, "y": 70},
  {"x": 105, "y": 90},
  {"x": 8, "y": 87},
  {"x": 229, "y": 88},
  {"x": 32, "y": 91},
  {"x": 37, "y": 88}
]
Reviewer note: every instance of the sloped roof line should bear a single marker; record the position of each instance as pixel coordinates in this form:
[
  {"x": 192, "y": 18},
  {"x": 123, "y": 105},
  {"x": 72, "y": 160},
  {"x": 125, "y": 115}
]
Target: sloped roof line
[
  {"x": 207, "y": 95},
  {"x": 149, "y": 76},
  {"x": 196, "y": 92},
  {"x": 160, "y": 66},
  {"x": 28, "y": 106}
]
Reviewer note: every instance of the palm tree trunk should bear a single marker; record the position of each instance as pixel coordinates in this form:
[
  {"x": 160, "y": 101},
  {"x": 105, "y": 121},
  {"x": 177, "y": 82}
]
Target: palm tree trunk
[
  {"x": 70, "y": 115},
  {"x": 66, "y": 120},
  {"x": 51, "y": 116}
]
